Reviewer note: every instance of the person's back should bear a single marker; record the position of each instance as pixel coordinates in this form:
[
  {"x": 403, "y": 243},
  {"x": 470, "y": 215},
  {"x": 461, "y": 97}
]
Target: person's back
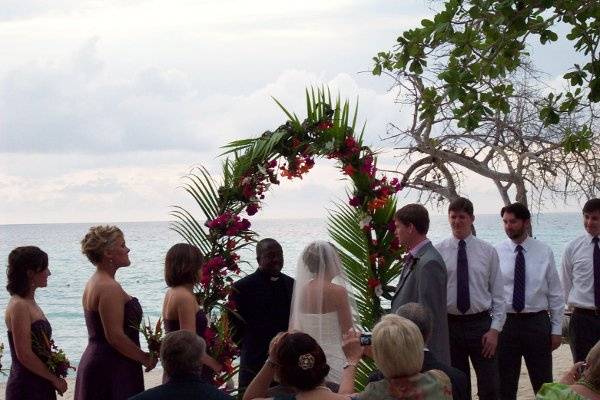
[
  {"x": 398, "y": 353},
  {"x": 186, "y": 387},
  {"x": 181, "y": 353},
  {"x": 320, "y": 305}
]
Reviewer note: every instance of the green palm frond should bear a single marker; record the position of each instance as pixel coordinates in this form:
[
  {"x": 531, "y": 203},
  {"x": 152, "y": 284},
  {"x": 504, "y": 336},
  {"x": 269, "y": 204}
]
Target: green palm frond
[
  {"x": 202, "y": 188},
  {"x": 190, "y": 229},
  {"x": 344, "y": 228}
]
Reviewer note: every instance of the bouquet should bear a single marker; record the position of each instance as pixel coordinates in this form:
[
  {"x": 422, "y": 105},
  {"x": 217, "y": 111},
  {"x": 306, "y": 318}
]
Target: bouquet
[
  {"x": 1, "y": 353},
  {"x": 153, "y": 337},
  {"x": 55, "y": 358}
]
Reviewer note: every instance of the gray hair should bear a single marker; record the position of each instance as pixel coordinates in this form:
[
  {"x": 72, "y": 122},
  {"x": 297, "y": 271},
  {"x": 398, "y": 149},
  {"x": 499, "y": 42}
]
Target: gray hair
[
  {"x": 180, "y": 352},
  {"x": 419, "y": 315}
]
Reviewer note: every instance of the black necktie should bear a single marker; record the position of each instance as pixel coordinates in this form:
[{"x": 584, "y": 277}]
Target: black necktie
[
  {"x": 463, "y": 302},
  {"x": 519, "y": 288},
  {"x": 596, "y": 272}
]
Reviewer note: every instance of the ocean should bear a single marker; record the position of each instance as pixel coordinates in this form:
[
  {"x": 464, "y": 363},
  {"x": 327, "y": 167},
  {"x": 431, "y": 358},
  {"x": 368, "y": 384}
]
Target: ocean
[{"x": 149, "y": 242}]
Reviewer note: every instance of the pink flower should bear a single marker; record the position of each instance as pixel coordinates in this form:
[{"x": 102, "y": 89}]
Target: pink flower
[
  {"x": 355, "y": 201},
  {"x": 373, "y": 283}
]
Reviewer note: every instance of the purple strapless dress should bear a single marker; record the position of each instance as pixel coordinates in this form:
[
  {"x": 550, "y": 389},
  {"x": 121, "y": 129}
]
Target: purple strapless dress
[
  {"x": 172, "y": 325},
  {"x": 22, "y": 383},
  {"x": 103, "y": 372}
]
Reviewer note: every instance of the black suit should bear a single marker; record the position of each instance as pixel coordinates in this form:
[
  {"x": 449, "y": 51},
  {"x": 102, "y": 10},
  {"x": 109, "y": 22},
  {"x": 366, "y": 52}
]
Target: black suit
[
  {"x": 460, "y": 383},
  {"x": 263, "y": 303},
  {"x": 184, "y": 387}
]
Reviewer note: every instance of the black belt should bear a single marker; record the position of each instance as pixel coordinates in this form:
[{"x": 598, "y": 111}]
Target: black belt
[
  {"x": 586, "y": 311},
  {"x": 526, "y": 314},
  {"x": 468, "y": 317}
]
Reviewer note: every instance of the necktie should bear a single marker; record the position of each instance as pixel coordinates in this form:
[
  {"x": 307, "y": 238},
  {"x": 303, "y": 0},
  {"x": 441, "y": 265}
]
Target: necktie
[
  {"x": 596, "y": 272},
  {"x": 519, "y": 288},
  {"x": 408, "y": 258},
  {"x": 463, "y": 301}
]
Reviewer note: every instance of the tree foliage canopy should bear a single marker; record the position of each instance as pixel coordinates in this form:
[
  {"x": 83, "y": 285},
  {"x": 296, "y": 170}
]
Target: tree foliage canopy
[{"x": 472, "y": 45}]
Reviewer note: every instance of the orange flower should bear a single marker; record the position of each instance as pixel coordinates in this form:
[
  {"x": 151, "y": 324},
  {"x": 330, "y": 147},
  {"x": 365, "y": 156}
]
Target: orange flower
[{"x": 377, "y": 203}]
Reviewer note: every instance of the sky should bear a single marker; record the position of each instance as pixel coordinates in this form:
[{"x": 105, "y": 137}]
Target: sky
[{"x": 105, "y": 105}]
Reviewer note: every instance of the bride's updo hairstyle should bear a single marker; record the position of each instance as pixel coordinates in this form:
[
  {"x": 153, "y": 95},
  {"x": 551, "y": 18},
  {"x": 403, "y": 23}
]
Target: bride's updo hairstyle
[
  {"x": 321, "y": 254},
  {"x": 97, "y": 240},
  {"x": 20, "y": 261},
  {"x": 301, "y": 361}
]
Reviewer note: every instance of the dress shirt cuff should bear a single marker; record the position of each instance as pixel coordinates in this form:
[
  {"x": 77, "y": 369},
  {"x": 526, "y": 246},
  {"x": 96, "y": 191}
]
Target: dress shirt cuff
[
  {"x": 497, "y": 325},
  {"x": 557, "y": 329}
]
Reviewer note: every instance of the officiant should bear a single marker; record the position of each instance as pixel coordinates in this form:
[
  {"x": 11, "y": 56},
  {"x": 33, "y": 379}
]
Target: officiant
[{"x": 263, "y": 301}]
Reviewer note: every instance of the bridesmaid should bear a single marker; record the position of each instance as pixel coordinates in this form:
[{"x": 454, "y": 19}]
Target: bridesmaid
[
  {"x": 29, "y": 376},
  {"x": 111, "y": 366},
  {"x": 183, "y": 265}
]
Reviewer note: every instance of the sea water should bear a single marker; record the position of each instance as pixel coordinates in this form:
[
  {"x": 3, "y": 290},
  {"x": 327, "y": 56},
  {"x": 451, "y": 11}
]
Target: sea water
[{"x": 149, "y": 242}]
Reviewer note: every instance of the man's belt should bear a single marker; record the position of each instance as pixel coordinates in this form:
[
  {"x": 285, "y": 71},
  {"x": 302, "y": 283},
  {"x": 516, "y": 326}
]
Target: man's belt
[{"x": 469, "y": 317}]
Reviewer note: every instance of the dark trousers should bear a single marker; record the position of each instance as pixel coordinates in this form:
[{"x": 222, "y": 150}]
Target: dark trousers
[
  {"x": 524, "y": 335},
  {"x": 465, "y": 342},
  {"x": 584, "y": 332}
]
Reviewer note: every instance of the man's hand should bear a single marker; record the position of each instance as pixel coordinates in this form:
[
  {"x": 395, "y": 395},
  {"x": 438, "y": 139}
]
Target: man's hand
[
  {"x": 555, "y": 341},
  {"x": 489, "y": 342}
]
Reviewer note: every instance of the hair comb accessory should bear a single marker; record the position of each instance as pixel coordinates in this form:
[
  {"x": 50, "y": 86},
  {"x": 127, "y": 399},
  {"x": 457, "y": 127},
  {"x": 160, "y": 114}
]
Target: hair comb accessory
[{"x": 306, "y": 361}]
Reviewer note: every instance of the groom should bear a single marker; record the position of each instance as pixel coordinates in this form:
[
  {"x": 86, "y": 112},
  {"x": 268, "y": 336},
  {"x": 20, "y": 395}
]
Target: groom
[
  {"x": 423, "y": 277},
  {"x": 263, "y": 300}
]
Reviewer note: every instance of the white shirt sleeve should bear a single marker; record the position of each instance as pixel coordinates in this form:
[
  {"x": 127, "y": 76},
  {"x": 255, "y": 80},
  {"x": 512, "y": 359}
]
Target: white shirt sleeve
[
  {"x": 556, "y": 301},
  {"x": 497, "y": 291},
  {"x": 567, "y": 271}
]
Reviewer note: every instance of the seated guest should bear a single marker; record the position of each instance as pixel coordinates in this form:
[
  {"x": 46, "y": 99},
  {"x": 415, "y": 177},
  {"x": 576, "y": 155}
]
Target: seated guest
[
  {"x": 398, "y": 352},
  {"x": 180, "y": 354},
  {"x": 297, "y": 361},
  {"x": 419, "y": 315},
  {"x": 581, "y": 382}
]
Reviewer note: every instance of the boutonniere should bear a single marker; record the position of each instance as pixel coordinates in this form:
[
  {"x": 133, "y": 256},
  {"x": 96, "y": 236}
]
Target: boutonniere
[{"x": 413, "y": 262}]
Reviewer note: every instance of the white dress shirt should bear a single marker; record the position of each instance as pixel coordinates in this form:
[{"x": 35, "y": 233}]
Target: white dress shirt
[
  {"x": 486, "y": 286},
  {"x": 543, "y": 290},
  {"x": 578, "y": 272}
]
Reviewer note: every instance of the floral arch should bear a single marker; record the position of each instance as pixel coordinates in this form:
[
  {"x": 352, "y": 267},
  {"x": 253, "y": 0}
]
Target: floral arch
[{"x": 362, "y": 227}]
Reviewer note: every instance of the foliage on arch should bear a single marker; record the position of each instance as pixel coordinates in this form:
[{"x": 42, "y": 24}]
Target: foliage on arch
[{"x": 362, "y": 227}]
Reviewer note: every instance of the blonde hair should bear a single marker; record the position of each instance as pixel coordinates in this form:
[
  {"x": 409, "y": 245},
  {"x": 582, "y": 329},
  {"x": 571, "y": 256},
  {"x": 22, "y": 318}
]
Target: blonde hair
[
  {"x": 97, "y": 240},
  {"x": 397, "y": 346},
  {"x": 592, "y": 373}
]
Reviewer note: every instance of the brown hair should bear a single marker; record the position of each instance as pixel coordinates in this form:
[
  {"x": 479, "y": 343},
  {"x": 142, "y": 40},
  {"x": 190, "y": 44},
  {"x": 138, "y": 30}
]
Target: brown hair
[
  {"x": 182, "y": 264},
  {"x": 416, "y": 215},
  {"x": 292, "y": 349},
  {"x": 461, "y": 205},
  {"x": 518, "y": 210},
  {"x": 20, "y": 261},
  {"x": 591, "y": 205},
  {"x": 97, "y": 240}
]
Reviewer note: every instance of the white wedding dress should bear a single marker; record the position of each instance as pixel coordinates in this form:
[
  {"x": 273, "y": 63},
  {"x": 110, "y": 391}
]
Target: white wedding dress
[
  {"x": 319, "y": 267},
  {"x": 325, "y": 329}
]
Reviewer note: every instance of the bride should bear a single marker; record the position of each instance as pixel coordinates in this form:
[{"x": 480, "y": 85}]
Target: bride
[{"x": 320, "y": 302}]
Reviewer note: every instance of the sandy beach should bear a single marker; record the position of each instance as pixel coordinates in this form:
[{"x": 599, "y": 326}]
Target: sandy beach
[{"x": 561, "y": 358}]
